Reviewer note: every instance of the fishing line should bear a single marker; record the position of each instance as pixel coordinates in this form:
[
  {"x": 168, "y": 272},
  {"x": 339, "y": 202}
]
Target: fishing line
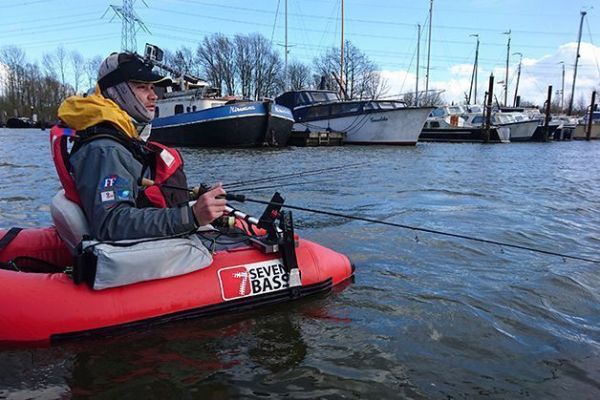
[
  {"x": 242, "y": 198},
  {"x": 291, "y": 175},
  {"x": 252, "y": 189}
]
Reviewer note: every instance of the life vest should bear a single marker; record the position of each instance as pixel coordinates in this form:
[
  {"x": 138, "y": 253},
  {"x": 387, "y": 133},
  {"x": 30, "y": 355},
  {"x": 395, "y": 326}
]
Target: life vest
[{"x": 165, "y": 165}]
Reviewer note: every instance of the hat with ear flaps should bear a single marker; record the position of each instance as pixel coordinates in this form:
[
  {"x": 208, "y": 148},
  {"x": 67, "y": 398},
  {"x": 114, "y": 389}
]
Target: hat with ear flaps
[{"x": 113, "y": 76}]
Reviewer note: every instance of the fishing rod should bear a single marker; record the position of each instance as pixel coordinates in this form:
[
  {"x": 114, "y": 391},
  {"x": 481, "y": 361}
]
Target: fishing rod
[
  {"x": 291, "y": 175},
  {"x": 252, "y": 189},
  {"x": 242, "y": 199},
  {"x": 198, "y": 190}
]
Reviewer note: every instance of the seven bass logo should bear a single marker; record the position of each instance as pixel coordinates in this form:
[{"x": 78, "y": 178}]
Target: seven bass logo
[{"x": 252, "y": 279}]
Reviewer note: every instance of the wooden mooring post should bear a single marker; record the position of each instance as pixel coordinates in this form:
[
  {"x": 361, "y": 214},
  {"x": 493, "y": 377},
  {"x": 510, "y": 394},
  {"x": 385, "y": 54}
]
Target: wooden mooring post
[
  {"x": 488, "y": 109},
  {"x": 548, "y": 116},
  {"x": 588, "y": 128}
]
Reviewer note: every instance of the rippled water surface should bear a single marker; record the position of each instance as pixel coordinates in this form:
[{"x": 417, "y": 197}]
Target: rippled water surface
[{"x": 426, "y": 317}]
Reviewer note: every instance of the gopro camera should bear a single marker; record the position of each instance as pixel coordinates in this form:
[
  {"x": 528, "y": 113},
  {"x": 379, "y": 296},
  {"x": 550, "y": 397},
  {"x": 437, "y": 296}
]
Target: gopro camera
[{"x": 153, "y": 53}]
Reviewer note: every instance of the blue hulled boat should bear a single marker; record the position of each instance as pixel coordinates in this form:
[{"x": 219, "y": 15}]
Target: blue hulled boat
[{"x": 192, "y": 118}]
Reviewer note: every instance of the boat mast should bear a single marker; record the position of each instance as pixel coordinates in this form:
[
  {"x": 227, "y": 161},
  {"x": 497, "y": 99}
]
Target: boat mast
[
  {"x": 506, "y": 73},
  {"x": 474, "y": 75},
  {"x": 342, "y": 56},
  {"x": 428, "y": 48},
  {"x": 576, "y": 62},
  {"x": 285, "y": 69},
  {"x": 418, "y": 56},
  {"x": 518, "y": 78}
]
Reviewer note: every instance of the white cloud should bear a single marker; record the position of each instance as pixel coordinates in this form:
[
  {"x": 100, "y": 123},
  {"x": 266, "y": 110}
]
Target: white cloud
[
  {"x": 398, "y": 82},
  {"x": 536, "y": 76}
]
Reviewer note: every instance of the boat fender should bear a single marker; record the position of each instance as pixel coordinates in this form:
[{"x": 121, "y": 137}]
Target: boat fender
[{"x": 104, "y": 265}]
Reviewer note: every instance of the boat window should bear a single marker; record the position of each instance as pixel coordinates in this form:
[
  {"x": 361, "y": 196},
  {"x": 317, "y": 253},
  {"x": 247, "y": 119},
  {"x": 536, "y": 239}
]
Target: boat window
[
  {"x": 477, "y": 120},
  {"x": 303, "y": 99},
  {"x": 332, "y": 96},
  {"x": 386, "y": 105},
  {"x": 178, "y": 108},
  {"x": 187, "y": 109},
  {"x": 345, "y": 108},
  {"x": 193, "y": 108},
  {"x": 318, "y": 112},
  {"x": 371, "y": 106},
  {"x": 434, "y": 124},
  {"x": 156, "y": 112},
  {"x": 438, "y": 112},
  {"x": 318, "y": 97}
]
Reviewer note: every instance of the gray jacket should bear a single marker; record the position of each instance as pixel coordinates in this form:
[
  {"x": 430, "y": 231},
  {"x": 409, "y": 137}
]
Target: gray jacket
[{"x": 106, "y": 176}]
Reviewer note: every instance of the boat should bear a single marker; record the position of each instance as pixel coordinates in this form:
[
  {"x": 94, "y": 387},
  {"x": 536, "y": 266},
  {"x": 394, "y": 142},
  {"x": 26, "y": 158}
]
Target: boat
[
  {"x": 455, "y": 124},
  {"x": 521, "y": 127},
  {"x": 580, "y": 132},
  {"x": 543, "y": 132},
  {"x": 362, "y": 121},
  {"x": 19, "y": 123},
  {"x": 47, "y": 306},
  {"x": 197, "y": 117},
  {"x": 566, "y": 126}
]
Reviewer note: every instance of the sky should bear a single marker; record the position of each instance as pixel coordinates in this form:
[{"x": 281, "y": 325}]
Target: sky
[{"x": 543, "y": 35}]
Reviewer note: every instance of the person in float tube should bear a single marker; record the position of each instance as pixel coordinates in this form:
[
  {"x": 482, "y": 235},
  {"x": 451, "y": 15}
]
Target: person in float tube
[{"x": 108, "y": 169}]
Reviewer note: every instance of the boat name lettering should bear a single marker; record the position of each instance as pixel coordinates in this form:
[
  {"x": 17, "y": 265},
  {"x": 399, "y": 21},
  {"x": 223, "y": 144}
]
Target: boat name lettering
[
  {"x": 240, "y": 109},
  {"x": 378, "y": 119},
  {"x": 280, "y": 109},
  {"x": 252, "y": 279}
]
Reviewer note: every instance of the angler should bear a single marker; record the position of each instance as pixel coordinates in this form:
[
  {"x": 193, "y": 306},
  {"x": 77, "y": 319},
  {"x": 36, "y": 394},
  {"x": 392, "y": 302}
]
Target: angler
[{"x": 121, "y": 230}]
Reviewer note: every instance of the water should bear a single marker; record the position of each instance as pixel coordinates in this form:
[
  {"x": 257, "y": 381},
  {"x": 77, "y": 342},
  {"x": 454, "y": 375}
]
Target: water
[{"x": 427, "y": 316}]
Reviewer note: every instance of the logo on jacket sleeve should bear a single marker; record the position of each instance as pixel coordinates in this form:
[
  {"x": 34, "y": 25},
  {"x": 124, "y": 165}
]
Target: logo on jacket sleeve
[
  {"x": 112, "y": 189},
  {"x": 252, "y": 279}
]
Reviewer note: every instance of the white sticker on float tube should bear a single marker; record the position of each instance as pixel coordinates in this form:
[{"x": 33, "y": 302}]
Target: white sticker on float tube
[{"x": 252, "y": 279}]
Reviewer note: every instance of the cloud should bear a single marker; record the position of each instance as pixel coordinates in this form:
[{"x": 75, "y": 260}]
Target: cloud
[
  {"x": 398, "y": 82},
  {"x": 536, "y": 76}
]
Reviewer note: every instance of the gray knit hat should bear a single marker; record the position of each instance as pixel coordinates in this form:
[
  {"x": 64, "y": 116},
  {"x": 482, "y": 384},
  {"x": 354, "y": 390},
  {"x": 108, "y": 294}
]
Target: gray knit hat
[{"x": 114, "y": 73}]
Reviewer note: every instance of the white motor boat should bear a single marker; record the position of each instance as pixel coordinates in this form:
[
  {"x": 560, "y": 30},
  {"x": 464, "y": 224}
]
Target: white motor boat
[
  {"x": 362, "y": 121},
  {"x": 521, "y": 127},
  {"x": 454, "y": 124},
  {"x": 581, "y": 128}
]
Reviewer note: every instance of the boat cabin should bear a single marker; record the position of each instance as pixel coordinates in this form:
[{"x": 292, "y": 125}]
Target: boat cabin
[
  {"x": 299, "y": 98},
  {"x": 595, "y": 118},
  {"x": 177, "y": 99},
  {"x": 313, "y": 105}
]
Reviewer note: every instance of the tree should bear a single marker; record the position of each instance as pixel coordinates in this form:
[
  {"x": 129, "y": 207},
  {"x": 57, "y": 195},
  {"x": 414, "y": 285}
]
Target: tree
[
  {"x": 56, "y": 67},
  {"x": 216, "y": 56},
  {"x": 246, "y": 64},
  {"x": 77, "y": 66},
  {"x": 13, "y": 58},
  {"x": 361, "y": 78},
  {"x": 581, "y": 105},
  {"x": 183, "y": 60},
  {"x": 90, "y": 70},
  {"x": 299, "y": 75},
  {"x": 268, "y": 67}
]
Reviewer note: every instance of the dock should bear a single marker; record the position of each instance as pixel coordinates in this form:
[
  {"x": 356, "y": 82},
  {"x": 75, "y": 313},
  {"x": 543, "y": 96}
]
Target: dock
[{"x": 319, "y": 138}]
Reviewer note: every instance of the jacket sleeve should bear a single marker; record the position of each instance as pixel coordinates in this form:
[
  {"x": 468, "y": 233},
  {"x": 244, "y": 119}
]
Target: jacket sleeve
[{"x": 106, "y": 176}]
